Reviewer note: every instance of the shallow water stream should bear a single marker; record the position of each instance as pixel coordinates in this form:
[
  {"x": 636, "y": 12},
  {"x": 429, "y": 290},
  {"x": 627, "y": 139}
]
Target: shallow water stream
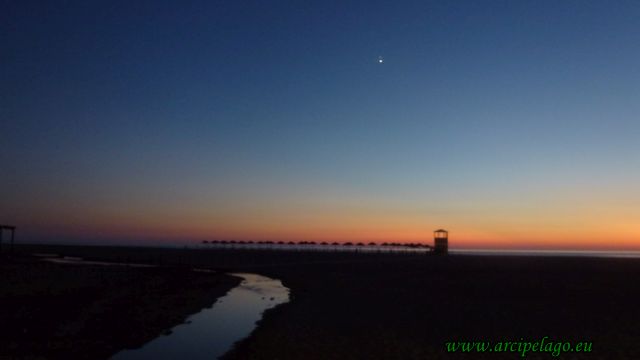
[{"x": 213, "y": 331}]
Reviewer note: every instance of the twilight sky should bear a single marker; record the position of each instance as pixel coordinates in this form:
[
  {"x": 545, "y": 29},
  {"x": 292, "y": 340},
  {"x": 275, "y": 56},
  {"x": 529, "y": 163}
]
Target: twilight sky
[{"x": 514, "y": 124}]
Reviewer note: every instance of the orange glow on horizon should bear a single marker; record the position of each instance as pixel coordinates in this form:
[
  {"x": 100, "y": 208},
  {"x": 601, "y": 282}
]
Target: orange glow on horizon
[
  {"x": 554, "y": 226},
  {"x": 458, "y": 238}
]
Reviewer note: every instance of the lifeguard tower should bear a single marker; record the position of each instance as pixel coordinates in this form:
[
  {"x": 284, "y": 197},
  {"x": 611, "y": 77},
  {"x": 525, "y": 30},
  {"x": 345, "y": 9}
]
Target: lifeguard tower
[{"x": 441, "y": 242}]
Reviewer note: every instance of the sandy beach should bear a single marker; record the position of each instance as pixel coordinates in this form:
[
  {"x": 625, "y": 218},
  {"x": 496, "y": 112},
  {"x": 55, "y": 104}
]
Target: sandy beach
[
  {"x": 389, "y": 306},
  {"x": 61, "y": 311}
]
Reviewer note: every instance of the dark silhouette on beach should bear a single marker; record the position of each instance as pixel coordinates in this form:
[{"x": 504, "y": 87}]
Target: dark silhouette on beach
[{"x": 10, "y": 228}]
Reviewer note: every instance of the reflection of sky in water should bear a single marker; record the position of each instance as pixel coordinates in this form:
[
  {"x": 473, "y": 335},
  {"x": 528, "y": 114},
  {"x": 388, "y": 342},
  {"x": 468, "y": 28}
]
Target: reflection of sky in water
[{"x": 212, "y": 331}]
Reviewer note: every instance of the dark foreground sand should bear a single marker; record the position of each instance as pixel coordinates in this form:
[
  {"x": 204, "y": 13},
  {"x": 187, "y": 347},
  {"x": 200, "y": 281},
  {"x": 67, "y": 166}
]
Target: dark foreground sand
[
  {"x": 385, "y": 306},
  {"x": 52, "y": 311}
]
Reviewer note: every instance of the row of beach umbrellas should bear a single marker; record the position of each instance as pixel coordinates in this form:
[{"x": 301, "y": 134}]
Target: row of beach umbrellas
[{"x": 313, "y": 243}]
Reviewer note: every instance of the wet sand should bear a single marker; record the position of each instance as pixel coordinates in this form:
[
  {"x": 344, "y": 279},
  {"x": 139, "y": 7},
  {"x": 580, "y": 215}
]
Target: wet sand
[
  {"x": 61, "y": 311},
  {"x": 387, "y": 306}
]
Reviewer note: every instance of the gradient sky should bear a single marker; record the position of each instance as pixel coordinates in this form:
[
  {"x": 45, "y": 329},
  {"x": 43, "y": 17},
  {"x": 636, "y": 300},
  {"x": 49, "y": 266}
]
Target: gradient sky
[{"x": 514, "y": 124}]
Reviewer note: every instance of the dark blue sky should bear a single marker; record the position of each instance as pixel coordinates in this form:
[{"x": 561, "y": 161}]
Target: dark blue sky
[{"x": 224, "y": 112}]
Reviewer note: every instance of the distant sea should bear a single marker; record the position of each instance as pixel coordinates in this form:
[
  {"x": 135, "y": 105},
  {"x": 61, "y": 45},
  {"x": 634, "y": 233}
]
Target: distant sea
[{"x": 630, "y": 254}]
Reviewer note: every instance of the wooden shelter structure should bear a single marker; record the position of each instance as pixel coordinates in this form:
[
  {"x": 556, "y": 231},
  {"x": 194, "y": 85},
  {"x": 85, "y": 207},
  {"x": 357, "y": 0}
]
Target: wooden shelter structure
[
  {"x": 10, "y": 228},
  {"x": 441, "y": 242}
]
